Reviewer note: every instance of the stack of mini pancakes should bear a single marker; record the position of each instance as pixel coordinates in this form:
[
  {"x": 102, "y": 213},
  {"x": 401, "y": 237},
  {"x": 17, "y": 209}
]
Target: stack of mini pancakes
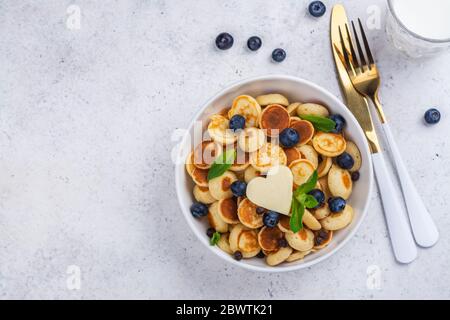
[{"x": 238, "y": 219}]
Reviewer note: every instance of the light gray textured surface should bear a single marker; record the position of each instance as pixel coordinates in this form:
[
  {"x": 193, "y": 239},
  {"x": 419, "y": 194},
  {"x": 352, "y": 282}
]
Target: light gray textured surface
[{"x": 85, "y": 173}]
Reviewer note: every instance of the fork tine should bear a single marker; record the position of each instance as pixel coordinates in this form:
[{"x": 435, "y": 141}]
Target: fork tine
[
  {"x": 366, "y": 44},
  {"x": 358, "y": 45},
  {"x": 352, "y": 50},
  {"x": 348, "y": 65}
]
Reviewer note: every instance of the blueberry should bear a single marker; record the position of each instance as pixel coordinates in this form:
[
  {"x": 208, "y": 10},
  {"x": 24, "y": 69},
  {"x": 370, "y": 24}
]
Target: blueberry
[
  {"x": 260, "y": 255},
  {"x": 336, "y": 204},
  {"x": 271, "y": 219},
  {"x": 282, "y": 243},
  {"x": 238, "y": 188},
  {"x": 355, "y": 176},
  {"x": 278, "y": 55},
  {"x": 319, "y": 196},
  {"x": 210, "y": 232},
  {"x": 345, "y": 161},
  {"x": 289, "y": 137},
  {"x": 237, "y": 255},
  {"x": 237, "y": 122},
  {"x": 224, "y": 41},
  {"x": 317, "y": 8},
  {"x": 432, "y": 116},
  {"x": 340, "y": 123},
  {"x": 260, "y": 210},
  {"x": 199, "y": 209},
  {"x": 254, "y": 43}
]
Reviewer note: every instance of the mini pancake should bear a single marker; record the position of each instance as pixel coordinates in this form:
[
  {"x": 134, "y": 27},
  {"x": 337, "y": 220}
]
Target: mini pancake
[
  {"x": 214, "y": 219},
  {"x": 200, "y": 177},
  {"x": 292, "y": 108},
  {"x": 272, "y": 98},
  {"x": 329, "y": 144},
  {"x": 340, "y": 182},
  {"x": 227, "y": 209},
  {"x": 278, "y": 257},
  {"x": 337, "y": 221},
  {"x": 274, "y": 119},
  {"x": 189, "y": 163},
  {"x": 202, "y": 194},
  {"x": 234, "y": 236},
  {"x": 268, "y": 156},
  {"x": 292, "y": 154},
  {"x": 247, "y": 107},
  {"x": 302, "y": 240},
  {"x": 310, "y": 221},
  {"x": 248, "y": 243},
  {"x": 224, "y": 243},
  {"x": 219, "y": 130},
  {"x": 224, "y": 112},
  {"x": 251, "y": 139},
  {"x": 324, "y": 166},
  {"x": 251, "y": 173},
  {"x": 305, "y": 130},
  {"x": 310, "y": 154},
  {"x": 312, "y": 109},
  {"x": 269, "y": 238},
  {"x": 322, "y": 238},
  {"x": 301, "y": 170},
  {"x": 293, "y": 119},
  {"x": 241, "y": 162},
  {"x": 219, "y": 187},
  {"x": 205, "y": 154},
  {"x": 353, "y": 150},
  {"x": 284, "y": 224},
  {"x": 248, "y": 216},
  {"x": 297, "y": 255},
  {"x": 322, "y": 212},
  {"x": 324, "y": 187}
]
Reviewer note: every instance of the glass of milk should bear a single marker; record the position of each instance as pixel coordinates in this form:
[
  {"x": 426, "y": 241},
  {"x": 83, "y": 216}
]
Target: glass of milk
[{"x": 419, "y": 27}]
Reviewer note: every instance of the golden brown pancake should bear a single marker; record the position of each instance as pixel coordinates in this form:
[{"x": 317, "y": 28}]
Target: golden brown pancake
[
  {"x": 200, "y": 177},
  {"x": 305, "y": 130},
  {"x": 248, "y": 241},
  {"x": 228, "y": 210},
  {"x": 269, "y": 238},
  {"x": 284, "y": 223},
  {"x": 205, "y": 154},
  {"x": 248, "y": 216},
  {"x": 292, "y": 154},
  {"x": 274, "y": 118}
]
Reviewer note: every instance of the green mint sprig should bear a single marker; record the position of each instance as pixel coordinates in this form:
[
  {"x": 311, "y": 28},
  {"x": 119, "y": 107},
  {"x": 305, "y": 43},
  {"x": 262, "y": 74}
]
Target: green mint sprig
[
  {"x": 214, "y": 239},
  {"x": 223, "y": 162},
  {"x": 301, "y": 200},
  {"x": 320, "y": 123}
]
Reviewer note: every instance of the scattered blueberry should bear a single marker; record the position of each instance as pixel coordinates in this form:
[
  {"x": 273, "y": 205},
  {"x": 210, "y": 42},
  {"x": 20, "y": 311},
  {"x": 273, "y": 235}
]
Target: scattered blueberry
[
  {"x": 432, "y": 116},
  {"x": 260, "y": 255},
  {"x": 355, "y": 176},
  {"x": 210, "y": 232},
  {"x": 238, "y": 188},
  {"x": 260, "y": 210},
  {"x": 319, "y": 196},
  {"x": 224, "y": 41},
  {"x": 345, "y": 161},
  {"x": 278, "y": 55},
  {"x": 237, "y": 122},
  {"x": 336, "y": 204},
  {"x": 282, "y": 243},
  {"x": 340, "y": 123},
  {"x": 317, "y": 8},
  {"x": 199, "y": 209},
  {"x": 271, "y": 219},
  {"x": 254, "y": 43},
  {"x": 237, "y": 255},
  {"x": 289, "y": 137}
]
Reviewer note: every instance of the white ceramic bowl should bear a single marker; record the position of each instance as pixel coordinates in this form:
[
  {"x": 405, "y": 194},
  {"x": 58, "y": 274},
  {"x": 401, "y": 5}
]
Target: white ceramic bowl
[{"x": 294, "y": 89}]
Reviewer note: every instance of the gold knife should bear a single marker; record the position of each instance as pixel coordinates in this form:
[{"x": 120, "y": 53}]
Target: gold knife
[{"x": 402, "y": 241}]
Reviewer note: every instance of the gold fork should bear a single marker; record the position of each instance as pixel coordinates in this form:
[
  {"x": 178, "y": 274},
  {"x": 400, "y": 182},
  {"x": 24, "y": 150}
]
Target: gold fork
[{"x": 365, "y": 78}]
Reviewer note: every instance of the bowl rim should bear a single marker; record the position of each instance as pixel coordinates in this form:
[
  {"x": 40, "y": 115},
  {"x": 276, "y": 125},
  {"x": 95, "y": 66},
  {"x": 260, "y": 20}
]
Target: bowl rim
[{"x": 228, "y": 257}]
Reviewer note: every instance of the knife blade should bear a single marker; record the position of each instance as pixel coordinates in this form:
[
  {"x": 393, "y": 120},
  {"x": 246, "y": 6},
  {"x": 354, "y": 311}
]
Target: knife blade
[{"x": 357, "y": 104}]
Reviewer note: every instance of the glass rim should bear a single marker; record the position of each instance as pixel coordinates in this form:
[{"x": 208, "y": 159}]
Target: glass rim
[{"x": 392, "y": 11}]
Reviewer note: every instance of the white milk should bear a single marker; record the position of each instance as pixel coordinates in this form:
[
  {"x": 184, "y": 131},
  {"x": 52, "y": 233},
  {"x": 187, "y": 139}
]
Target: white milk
[{"x": 427, "y": 18}]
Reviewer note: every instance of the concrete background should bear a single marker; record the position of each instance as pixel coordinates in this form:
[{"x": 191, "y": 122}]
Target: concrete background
[{"x": 86, "y": 179}]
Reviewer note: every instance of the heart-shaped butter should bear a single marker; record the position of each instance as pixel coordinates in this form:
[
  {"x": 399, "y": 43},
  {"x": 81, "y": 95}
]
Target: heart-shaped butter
[{"x": 273, "y": 192}]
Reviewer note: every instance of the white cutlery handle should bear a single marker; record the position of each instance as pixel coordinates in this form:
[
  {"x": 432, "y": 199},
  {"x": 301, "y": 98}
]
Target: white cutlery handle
[
  {"x": 423, "y": 227},
  {"x": 405, "y": 250}
]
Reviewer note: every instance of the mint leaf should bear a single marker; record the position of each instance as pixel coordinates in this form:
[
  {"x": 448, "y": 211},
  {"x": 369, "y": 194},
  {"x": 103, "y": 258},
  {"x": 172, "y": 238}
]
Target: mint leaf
[
  {"x": 308, "y": 185},
  {"x": 214, "y": 239},
  {"x": 222, "y": 164},
  {"x": 320, "y": 123},
  {"x": 310, "y": 202},
  {"x": 297, "y": 216}
]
